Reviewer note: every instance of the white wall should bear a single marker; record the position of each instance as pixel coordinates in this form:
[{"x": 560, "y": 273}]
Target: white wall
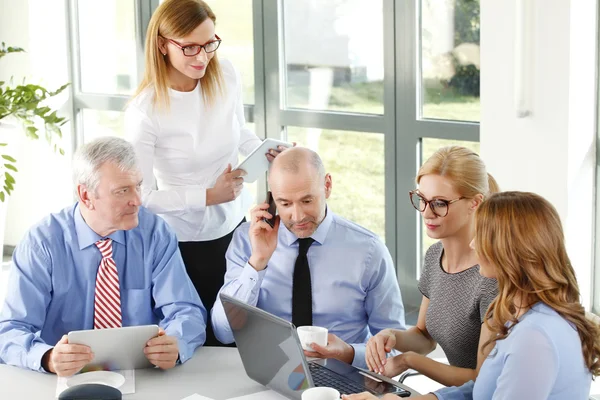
[
  {"x": 552, "y": 152},
  {"x": 44, "y": 181}
]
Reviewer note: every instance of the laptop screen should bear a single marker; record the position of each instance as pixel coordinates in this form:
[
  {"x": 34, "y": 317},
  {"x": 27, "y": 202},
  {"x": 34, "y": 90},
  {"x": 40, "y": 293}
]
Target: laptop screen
[{"x": 269, "y": 348}]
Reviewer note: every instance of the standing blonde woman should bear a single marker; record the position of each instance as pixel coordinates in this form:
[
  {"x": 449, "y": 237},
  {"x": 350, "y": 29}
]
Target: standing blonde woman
[
  {"x": 452, "y": 184},
  {"x": 542, "y": 345},
  {"x": 186, "y": 122}
]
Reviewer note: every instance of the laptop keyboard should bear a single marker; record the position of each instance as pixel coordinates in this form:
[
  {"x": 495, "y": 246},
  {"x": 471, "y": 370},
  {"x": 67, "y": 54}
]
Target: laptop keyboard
[{"x": 324, "y": 377}]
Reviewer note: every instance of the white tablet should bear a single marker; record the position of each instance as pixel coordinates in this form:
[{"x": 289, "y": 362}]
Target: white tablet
[
  {"x": 257, "y": 163},
  {"x": 117, "y": 348}
]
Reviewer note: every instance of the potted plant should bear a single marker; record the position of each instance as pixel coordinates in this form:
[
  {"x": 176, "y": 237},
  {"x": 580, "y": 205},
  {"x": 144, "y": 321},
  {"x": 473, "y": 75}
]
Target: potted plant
[{"x": 23, "y": 104}]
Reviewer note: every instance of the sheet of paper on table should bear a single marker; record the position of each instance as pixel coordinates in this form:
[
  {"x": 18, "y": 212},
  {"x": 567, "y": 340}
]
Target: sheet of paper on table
[
  {"x": 196, "y": 396},
  {"x": 266, "y": 395}
]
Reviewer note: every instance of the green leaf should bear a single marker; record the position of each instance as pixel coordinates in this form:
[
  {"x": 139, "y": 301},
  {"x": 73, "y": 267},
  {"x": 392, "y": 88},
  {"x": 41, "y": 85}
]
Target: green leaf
[
  {"x": 9, "y": 158},
  {"x": 31, "y": 132},
  {"x": 26, "y": 102},
  {"x": 12, "y": 167},
  {"x": 10, "y": 186},
  {"x": 9, "y": 178},
  {"x": 7, "y": 190},
  {"x": 3, "y": 144},
  {"x": 2, "y": 197}
]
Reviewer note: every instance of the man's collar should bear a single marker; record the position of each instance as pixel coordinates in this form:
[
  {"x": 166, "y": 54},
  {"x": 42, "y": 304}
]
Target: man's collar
[
  {"x": 86, "y": 236},
  {"x": 319, "y": 235}
]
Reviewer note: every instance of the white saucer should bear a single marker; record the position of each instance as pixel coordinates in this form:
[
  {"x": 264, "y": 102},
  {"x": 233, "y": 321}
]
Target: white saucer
[{"x": 113, "y": 379}]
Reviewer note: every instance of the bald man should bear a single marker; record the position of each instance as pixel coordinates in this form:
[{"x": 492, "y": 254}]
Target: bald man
[{"x": 312, "y": 267}]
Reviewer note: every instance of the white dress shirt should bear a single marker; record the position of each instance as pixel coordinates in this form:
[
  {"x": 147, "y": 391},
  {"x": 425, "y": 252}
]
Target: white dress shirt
[{"x": 183, "y": 150}]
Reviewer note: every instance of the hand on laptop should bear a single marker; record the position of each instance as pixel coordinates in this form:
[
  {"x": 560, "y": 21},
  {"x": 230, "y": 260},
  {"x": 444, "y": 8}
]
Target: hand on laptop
[
  {"x": 377, "y": 348},
  {"x": 66, "y": 359},
  {"x": 336, "y": 348},
  {"x": 398, "y": 364},
  {"x": 263, "y": 238},
  {"x": 162, "y": 350}
]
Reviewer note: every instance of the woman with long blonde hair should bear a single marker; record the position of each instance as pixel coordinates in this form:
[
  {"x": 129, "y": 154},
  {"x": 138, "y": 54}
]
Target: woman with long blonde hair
[
  {"x": 542, "y": 347},
  {"x": 186, "y": 122},
  {"x": 452, "y": 184}
]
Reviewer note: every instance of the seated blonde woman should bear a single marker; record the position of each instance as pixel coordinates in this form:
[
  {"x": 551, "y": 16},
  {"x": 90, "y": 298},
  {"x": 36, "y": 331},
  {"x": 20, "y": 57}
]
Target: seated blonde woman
[
  {"x": 543, "y": 347},
  {"x": 452, "y": 184}
]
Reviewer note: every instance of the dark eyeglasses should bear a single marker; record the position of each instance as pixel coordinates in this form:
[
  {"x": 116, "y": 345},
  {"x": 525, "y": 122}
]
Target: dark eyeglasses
[
  {"x": 437, "y": 206},
  {"x": 192, "y": 50}
]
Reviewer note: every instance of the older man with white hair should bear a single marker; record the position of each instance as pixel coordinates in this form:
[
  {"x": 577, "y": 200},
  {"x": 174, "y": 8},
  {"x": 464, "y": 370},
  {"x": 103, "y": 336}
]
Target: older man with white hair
[{"x": 104, "y": 262}]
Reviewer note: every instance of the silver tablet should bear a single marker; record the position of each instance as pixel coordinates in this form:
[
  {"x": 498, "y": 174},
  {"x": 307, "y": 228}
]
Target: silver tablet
[
  {"x": 257, "y": 163},
  {"x": 117, "y": 348}
]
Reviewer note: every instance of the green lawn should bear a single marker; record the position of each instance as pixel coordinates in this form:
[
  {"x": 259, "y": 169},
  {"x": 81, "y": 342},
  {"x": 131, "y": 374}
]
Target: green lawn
[{"x": 356, "y": 163}]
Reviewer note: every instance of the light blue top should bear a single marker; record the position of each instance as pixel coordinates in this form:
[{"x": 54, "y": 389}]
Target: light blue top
[
  {"x": 540, "y": 359},
  {"x": 52, "y": 285},
  {"x": 355, "y": 292}
]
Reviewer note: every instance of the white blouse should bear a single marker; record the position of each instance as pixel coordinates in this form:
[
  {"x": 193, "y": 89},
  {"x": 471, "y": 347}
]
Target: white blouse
[{"x": 183, "y": 150}]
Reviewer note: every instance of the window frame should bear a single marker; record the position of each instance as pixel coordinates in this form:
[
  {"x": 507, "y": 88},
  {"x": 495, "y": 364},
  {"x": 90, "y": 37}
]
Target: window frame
[{"x": 402, "y": 126}]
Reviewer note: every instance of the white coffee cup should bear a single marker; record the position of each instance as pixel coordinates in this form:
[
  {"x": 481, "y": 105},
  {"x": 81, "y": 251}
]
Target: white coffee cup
[
  {"x": 320, "y": 393},
  {"x": 312, "y": 334}
]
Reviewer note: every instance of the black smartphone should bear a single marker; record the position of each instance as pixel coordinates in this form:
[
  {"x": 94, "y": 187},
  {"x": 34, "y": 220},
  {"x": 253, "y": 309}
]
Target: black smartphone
[{"x": 272, "y": 209}]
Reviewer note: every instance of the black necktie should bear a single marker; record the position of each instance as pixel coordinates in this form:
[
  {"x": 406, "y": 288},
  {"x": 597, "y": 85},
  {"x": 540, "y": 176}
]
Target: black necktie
[{"x": 302, "y": 290}]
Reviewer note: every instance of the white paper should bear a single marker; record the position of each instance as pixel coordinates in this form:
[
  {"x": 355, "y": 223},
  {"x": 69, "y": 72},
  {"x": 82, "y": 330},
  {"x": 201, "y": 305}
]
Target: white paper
[
  {"x": 267, "y": 395},
  {"x": 128, "y": 387},
  {"x": 196, "y": 396}
]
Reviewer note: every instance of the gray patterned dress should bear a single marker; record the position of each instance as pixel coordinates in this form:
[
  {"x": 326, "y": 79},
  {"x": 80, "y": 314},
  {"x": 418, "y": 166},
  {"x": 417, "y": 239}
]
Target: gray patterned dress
[{"x": 457, "y": 306}]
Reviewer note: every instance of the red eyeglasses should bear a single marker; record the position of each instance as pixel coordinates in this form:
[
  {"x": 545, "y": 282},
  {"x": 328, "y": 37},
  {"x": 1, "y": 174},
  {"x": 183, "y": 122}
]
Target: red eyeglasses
[{"x": 192, "y": 50}]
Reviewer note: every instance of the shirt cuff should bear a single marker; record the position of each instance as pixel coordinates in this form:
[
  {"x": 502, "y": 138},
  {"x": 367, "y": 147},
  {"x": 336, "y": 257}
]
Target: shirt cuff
[
  {"x": 195, "y": 197},
  {"x": 251, "y": 277},
  {"x": 34, "y": 357},
  {"x": 183, "y": 355},
  {"x": 360, "y": 350}
]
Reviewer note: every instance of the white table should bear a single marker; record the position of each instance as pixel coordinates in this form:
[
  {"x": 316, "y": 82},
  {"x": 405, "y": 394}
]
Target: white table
[{"x": 215, "y": 372}]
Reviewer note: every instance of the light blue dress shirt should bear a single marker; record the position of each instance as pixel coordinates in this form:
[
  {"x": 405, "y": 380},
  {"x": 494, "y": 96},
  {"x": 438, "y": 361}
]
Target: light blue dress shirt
[
  {"x": 540, "y": 359},
  {"x": 52, "y": 283},
  {"x": 355, "y": 291}
]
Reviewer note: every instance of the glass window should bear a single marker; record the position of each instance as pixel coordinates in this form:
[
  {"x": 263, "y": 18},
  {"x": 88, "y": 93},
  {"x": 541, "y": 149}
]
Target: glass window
[
  {"x": 252, "y": 187},
  {"x": 450, "y": 59},
  {"x": 428, "y": 147},
  {"x": 98, "y": 123},
  {"x": 107, "y": 46},
  {"x": 334, "y": 55},
  {"x": 356, "y": 163},
  {"x": 234, "y": 26}
]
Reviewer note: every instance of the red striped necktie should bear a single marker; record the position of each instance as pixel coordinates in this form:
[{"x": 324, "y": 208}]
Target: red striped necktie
[{"x": 107, "y": 303}]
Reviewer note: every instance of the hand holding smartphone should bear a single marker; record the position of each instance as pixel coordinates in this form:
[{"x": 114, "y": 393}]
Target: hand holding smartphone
[{"x": 272, "y": 209}]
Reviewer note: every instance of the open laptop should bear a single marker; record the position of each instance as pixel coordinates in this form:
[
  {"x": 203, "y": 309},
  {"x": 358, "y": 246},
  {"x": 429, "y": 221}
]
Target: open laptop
[{"x": 272, "y": 356}]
